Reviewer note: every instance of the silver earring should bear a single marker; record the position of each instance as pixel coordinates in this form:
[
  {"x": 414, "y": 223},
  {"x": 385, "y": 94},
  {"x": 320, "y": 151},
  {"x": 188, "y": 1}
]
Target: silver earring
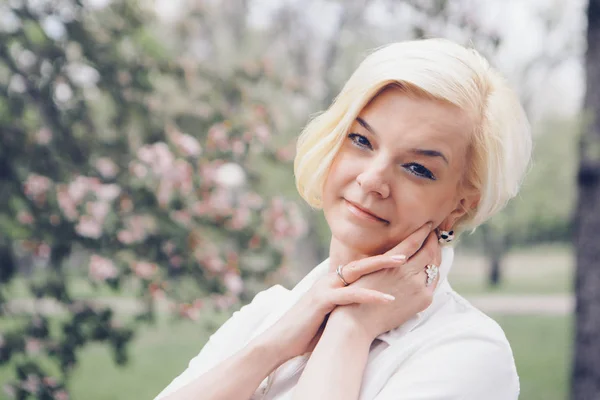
[{"x": 445, "y": 236}]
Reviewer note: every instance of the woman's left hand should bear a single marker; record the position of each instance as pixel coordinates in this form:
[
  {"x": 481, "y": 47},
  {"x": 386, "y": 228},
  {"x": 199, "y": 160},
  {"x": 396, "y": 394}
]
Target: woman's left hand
[{"x": 405, "y": 282}]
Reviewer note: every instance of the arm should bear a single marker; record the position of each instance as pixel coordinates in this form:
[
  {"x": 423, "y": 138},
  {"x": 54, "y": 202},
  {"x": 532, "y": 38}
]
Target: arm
[
  {"x": 335, "y": 368},
  {"x": 237, "y": 377},
  {"x": 229, "y": 341}
]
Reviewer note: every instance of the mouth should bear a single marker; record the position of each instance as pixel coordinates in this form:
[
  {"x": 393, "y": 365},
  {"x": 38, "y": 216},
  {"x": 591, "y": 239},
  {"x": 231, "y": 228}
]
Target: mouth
[{"x": 363, "y": 212}]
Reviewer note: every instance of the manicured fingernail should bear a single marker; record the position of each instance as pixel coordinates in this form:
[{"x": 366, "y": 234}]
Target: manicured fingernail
[
  {"x": 388, "y": 297},
  {"x": 399, "y": 257}
]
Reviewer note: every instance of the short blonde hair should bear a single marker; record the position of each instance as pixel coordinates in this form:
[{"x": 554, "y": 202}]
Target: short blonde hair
[{"x": 501, "y": 146}]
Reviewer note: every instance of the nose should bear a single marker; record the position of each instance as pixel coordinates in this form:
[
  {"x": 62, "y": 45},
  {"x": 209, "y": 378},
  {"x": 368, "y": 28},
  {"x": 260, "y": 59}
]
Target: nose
[{"x": 373, "y": 180}]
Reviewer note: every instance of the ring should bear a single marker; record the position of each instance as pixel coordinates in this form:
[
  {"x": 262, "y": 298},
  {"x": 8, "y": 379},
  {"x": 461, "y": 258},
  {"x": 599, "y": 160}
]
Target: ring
[
  {"x": 432, "y": 272},
  {"x": 339, "y": 273}
]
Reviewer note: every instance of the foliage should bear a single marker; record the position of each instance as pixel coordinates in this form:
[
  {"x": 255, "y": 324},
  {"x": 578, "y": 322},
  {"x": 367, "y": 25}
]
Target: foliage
[{"x": 146, "y": 166}]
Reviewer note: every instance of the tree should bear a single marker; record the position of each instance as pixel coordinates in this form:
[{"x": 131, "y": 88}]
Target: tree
[
  {"x": 145, "y": 164},
  {"x": 586, "y": 364}
]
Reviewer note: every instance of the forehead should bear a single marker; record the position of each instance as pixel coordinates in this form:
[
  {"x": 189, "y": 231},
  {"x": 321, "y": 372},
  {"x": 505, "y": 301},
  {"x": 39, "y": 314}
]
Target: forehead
[{"x": 408, "y": 119}]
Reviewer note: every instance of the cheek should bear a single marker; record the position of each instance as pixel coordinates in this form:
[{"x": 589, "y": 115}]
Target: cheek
[
  {"x": 419, "y": 204},
  {"x": 340, "y": 174}
]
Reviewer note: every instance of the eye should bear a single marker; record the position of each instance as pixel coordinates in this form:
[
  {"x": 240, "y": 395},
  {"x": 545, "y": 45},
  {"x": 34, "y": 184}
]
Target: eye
[
  {"x": 419, "y": 170},
  {"x": 360, "y": 141}
]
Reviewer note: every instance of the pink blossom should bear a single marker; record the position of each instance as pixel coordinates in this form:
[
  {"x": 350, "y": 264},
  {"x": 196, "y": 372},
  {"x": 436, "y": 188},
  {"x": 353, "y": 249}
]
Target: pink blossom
[
  {"x": 221, "y": 202},
  {"x": 80, "y": 186},
  {"x": 137, "y": 229},
  {"x": 214, "y": 263},
  {"x": 36, "y": 186},
  {"x": 138, "y": 170},
  {"x": 181, "y": 176},
  {"x": 218, "y": 137},
  {"x": 262, "y": 133},
  {"x": 144, "y": 270},
  {"x": 223, "y": 302},
  {"x": 240, "y": 219},
  {"x": 43, "y": 136},
  {"x": 107, "y": 168},
  {"x": 200, "y": 208},
  {"x": 102, "y": 268},
  {"x": 107, "y": 192},
  {"x": 238, "y": 147},
  {"x": 187, "y": 144},
  {"x": 31, "y": 384},
  {"x": 285, "y": 154},
  {"x": 61, "y": 395},
  {"x": 66, "y": 203},
  {"x": 182, "y": 217},
  {"x": 168, "y": 247},
  {"x": 25, "y": 218},
  {"x": 49, "y": 381},
  {"x": 164, "y": 192},
  {"x": 32, "y": 346},
  {"x": 233, "y": 282},
  {"x": 189, "y": 311},
  {"x": 125, "y": 237},
  {"x": 43, "y": 250},
  {"x": 89, "y": 227},
  {"x": 251, "y": 200},
  {"x": 176, "y": 261},
  {"x": 157, "y": 156},
  {"x": 98, "y": 210}
]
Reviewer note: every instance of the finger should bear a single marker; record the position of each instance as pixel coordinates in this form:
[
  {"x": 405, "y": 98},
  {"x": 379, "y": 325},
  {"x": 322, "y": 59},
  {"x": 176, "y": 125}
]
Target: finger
[
  {"x": 352, "y": 295},
  {"x": 409, "y": 246},
  {"x": 354, "y": 270},
  {"x": 428, "y": 254}
]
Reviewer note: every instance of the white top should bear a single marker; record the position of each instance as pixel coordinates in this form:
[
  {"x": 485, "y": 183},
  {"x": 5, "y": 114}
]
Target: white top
[{"x": 450, "y": 351}]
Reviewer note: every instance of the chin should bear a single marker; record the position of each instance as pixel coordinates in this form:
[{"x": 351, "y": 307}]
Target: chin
[{"x": 364, "y": 241}]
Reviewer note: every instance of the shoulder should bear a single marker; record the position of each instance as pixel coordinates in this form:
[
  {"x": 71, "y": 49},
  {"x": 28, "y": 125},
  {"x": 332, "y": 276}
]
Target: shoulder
[
  {"x": 463, "y": 354},
  {"x": 476, "y": 347}
]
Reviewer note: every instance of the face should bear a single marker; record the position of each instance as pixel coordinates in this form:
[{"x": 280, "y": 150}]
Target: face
[{"x": 401, "y": 165}]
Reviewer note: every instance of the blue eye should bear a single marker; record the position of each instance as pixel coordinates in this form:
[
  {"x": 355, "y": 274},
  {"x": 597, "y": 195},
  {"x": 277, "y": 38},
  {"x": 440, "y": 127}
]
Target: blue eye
[
  {"x": 360, "y": 140},
  {"x": 420, "y": 171}
]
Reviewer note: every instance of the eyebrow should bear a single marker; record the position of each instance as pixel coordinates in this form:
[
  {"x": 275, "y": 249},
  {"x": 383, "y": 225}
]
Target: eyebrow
[{"x": 422, "y": 152}]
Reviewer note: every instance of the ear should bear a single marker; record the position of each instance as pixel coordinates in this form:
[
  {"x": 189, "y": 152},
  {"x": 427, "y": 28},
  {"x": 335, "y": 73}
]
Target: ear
[{"x": 467, "y": 203}]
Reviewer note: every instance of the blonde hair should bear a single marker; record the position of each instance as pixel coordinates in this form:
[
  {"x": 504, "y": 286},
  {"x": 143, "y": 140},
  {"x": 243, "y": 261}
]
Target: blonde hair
[{"x": 501, "y": 142}]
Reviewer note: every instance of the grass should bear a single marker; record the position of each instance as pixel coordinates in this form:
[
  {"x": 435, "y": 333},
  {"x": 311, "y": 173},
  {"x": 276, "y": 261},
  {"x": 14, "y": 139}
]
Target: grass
[
  {"x": 541, "y": 270},
  {"x": 541, "y": 345}
]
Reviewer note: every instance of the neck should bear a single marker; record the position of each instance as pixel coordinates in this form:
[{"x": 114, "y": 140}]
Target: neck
[{"x": 339, "y": 253}]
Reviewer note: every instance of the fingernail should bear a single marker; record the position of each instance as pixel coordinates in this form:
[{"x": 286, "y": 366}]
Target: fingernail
[
  {"x": 399, "y": 257},
  {"x": 388, "y": 297}
]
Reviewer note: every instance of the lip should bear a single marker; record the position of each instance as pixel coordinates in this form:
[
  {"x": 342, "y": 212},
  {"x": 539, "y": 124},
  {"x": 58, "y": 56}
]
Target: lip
[{"x": 363, "y": 212}]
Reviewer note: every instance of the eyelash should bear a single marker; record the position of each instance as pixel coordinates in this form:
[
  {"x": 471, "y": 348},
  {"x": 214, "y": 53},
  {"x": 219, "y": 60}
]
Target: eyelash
[{"x": 425, "y": 173}]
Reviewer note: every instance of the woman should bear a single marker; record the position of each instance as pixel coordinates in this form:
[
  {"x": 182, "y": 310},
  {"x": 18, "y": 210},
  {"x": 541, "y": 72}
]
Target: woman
[{"x": 424, "y": 141}]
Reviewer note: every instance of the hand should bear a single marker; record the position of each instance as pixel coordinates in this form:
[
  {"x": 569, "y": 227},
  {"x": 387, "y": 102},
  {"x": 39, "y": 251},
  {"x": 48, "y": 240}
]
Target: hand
[
  {"x": 406, "y": 283},
  {"x": 300, "y": 328}
]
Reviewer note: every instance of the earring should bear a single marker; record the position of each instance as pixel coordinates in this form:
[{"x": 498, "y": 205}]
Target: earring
[{"x": 445, "y": 236}]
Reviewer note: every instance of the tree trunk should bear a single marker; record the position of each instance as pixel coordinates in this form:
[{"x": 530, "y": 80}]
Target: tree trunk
[
  {"x": 586, "y": 363},
  {"x": 494, "y": 244}
]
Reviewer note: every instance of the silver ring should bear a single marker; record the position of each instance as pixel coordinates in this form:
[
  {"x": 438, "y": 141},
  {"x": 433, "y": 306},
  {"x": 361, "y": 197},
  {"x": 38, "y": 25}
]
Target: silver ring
[
  {"x": 432, "y": 272},
  {"x": 339, "y": 273}
]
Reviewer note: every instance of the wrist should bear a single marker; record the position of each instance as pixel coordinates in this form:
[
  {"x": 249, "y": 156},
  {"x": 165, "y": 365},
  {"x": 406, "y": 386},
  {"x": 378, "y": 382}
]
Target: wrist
[
  {"x": 272, "y": 353},
  {"x": 342, "y": 318}
]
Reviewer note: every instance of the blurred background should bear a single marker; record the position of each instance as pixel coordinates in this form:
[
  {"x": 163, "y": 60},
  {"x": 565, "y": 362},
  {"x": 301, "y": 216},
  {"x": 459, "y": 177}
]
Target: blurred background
[{"x": 147, "y": 189}]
